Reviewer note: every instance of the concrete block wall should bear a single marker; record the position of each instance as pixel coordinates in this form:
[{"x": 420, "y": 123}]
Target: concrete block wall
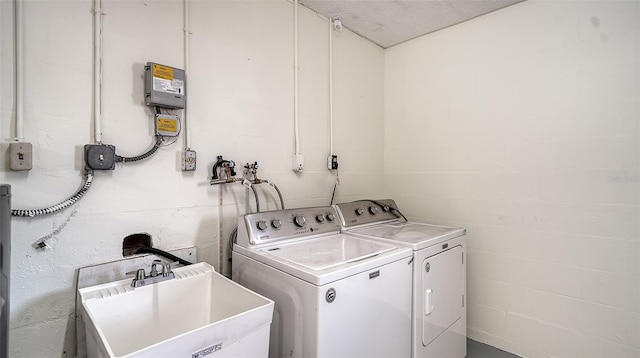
[
  {"x": 523, "y": 127},
  {"x": 240, "y": 97}
]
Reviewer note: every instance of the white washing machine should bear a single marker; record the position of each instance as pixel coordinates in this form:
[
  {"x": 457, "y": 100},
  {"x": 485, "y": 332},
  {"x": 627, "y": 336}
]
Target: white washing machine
[
  {"x": 439, "y": 273},
  {"x": 336, "y": 295}
]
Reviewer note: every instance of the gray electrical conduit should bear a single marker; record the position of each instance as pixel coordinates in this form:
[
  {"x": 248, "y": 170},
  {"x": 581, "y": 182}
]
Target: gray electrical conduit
[
  {"x": 63, "y": 205},
  {"x": 150, "y": 152}
]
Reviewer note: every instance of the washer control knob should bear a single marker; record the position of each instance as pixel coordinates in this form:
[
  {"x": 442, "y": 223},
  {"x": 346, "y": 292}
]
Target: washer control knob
[
  {"x": 262, "y": 225},
  {"x": 320, "y": 218},
  {"x": 331, "y": 217},
  {"x": 359, "y": 211},
  {"x": 276, "y": 223},
  {"x": 299, "y": 220},
  {"x": 373, "y": 210}
]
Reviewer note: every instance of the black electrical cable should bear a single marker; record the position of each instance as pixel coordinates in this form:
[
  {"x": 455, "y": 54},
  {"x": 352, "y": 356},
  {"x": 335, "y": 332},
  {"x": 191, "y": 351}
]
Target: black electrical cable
[
  {"x": 333, "y": 195},
  {"x": 158, "y": 110},
  {"x": 151, "y": 250},
  {"x": 384, "y": 206},
  {"x": 150, "y": 152},
  {"x": 233, "y": 238}
]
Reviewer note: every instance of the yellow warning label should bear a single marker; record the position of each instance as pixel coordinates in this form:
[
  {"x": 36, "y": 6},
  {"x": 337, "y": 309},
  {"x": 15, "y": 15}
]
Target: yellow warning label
[
  {"x": 167, "y": 125},
  {"x": 164, "y": 72}
]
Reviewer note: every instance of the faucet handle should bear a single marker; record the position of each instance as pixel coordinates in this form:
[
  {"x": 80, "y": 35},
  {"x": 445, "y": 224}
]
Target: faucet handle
[
  {"x": 166, "y": 269},
  {"x": 154, "y": 269},
  {"x": 140, "y": 274}
]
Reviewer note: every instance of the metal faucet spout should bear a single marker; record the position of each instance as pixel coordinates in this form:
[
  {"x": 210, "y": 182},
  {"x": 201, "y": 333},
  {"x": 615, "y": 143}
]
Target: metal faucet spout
[{"x": 154, "y": 276}]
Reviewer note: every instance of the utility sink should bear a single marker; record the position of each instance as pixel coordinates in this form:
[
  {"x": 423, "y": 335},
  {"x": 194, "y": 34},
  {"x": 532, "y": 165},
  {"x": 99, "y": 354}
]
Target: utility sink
[{"x": 196, "y": 314}]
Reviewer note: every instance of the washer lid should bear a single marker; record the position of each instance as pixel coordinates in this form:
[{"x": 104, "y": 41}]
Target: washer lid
[
  {"x": 330, "y": 252},
  {"x": 413, "y": 234},
  {"x": 325, "y": 259}
]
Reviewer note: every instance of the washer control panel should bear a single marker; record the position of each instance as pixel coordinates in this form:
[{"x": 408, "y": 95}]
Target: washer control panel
[
  {"x": 362, "y": 212},
  {"x": 271, "y": 226}
]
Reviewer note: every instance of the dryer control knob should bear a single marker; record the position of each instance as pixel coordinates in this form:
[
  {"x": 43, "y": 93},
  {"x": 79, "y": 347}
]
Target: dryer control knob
[
  {"x": 373, "y": 210},
  {"x": 276, "y": 223},
  {"x": 299, "y": 220},
  {"x": 359, "y": 211},
  {"x": 320, "y": 218},
  {"x": 262, "y": 225},
  {"x": 331, "y": 217}
]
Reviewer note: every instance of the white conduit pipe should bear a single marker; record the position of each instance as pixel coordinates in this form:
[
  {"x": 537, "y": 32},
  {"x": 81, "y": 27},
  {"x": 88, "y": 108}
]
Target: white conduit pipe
[
  {"x": 330, "y": 86},
  {"x": 295, "y": 77},
  {"x": 187, "y": 33},
  {"x": 97, "y": 70},
  {"x": 18, "y": 70}
]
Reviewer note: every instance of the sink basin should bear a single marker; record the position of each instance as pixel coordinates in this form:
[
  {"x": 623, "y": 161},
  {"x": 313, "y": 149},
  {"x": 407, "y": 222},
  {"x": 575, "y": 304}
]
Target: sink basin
[{"x": 198, "y": 313}]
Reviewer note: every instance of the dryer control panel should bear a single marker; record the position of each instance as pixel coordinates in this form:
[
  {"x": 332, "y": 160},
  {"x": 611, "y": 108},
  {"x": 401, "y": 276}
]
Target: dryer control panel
[
  {"x": 361, "y": 212},
  {"x": 275, "y": 226}
]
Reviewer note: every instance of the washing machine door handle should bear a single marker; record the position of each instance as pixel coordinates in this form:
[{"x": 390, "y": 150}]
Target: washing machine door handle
[{"x": 428, "y": 301}]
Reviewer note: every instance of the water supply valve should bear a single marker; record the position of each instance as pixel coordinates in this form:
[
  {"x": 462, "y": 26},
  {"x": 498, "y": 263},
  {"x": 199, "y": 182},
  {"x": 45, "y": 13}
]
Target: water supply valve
[
  {"x": 227, "y": 165},
  {"x": 253, "y": 169}
]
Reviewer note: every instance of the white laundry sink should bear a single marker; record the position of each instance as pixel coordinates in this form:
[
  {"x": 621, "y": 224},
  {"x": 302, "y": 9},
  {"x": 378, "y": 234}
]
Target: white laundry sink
[{"x": 198, "y": 313}]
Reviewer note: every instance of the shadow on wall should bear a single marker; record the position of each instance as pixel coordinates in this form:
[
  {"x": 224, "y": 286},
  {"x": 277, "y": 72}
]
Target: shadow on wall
[{"x": 32, "y": 326}]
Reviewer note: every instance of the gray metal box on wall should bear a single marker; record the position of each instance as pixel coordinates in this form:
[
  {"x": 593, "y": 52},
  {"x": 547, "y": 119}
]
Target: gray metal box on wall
[
  {"x": 5, "y": 267},
  {"x": 164, "y": 86}
]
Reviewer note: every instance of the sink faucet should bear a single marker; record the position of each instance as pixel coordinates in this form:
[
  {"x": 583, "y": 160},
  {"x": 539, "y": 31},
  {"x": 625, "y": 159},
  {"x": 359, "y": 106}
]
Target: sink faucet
[{"x": 154, "y": 276}]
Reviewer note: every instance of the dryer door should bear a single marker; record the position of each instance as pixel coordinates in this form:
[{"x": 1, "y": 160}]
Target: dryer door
[{"x": 442, "y": 292}]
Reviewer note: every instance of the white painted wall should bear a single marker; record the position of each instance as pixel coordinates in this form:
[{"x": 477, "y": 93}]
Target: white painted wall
[
  {"x": 523, "y": 127},
  {"x": 240, "y": 105}
]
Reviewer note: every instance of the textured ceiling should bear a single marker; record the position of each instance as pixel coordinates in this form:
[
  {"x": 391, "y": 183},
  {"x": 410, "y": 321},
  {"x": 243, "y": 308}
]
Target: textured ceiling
[{"x": 390, "y": 22}]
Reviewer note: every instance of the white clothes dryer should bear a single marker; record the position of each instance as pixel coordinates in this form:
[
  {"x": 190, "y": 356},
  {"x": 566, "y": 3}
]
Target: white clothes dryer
[
  {"x": 336, "y": 295},
  {"x": 439, "y": 273}
]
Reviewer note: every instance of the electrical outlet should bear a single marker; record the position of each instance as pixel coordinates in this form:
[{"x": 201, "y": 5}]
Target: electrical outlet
[
  {"x": 21, "y": 154},
  {"x": 189, "y": 160},
  {"x": 298, "y": 163},
  {"x": 332, "y": 162},
  {"x": 100, "y": 156}
]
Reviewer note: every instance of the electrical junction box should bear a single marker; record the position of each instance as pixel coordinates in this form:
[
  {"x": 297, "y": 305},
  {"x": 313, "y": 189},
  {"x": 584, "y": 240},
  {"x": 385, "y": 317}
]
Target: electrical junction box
[
  {"x": 164, "y": 86},
  {"x": 189, "y": 160},
  {"x": 21, "y": 156},
  {"x": 167, "y": 125},
  {"x": 100, "y": 156}
]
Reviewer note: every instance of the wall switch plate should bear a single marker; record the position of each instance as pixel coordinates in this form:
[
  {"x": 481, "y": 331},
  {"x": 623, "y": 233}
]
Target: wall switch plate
[
  {"x": 100, "y": 156},
  {"x": 298, "y": 163},
  {"x": 21, "y": 156},
  {"x": 189, "y": 160}
]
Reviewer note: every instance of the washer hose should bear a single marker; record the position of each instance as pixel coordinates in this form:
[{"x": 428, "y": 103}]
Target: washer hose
[
  {"x": 238, "y": 180},
  {"x": 65, "y": 204},
  {"x": 150, "y": 152},
  {"x": 277, "y": 190}
]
